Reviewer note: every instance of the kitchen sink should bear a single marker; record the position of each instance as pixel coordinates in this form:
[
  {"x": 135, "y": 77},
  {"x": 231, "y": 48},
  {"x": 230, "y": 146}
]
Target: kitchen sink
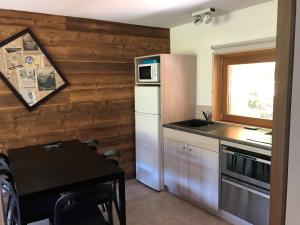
[
  {"x": 200, "y": 125},
  {"x": 193, "y": 123}
]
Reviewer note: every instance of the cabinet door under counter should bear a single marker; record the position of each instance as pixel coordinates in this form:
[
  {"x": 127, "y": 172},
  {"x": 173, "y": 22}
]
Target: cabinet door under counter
[
  {"x": 191, "y": 167},
  {"x": 203, "y": 176},
  {"x": 173, "y": 154}
]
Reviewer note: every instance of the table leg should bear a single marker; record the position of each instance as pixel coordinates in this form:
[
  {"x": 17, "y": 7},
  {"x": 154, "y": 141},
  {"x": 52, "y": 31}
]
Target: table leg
[
  {"x": 122, "y": 200},
  {"x": 23, "y": 217}
]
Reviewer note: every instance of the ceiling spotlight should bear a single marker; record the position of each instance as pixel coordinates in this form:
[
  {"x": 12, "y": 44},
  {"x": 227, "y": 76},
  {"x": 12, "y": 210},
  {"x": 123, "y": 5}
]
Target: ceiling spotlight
[
  {"x": 198, "y": 20},
  {"x": 203, "y": 15},
  {"x": 207, "y": 17}
]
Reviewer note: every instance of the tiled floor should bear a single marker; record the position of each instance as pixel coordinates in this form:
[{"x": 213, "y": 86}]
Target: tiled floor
[{"x": 147, "y": 207}]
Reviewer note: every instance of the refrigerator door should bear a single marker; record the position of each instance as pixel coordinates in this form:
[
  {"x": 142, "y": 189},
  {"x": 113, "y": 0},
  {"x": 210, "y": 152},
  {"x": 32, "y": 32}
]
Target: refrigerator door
[
  {"x": 148, "y": 150},
  {"x": 147, "y": 99}
]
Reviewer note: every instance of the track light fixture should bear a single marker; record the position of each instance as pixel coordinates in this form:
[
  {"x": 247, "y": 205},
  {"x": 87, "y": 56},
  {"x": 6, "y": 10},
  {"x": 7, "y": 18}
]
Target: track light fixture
[
  {"x": 198, "y": 19},
  {"x": 203, "y": 16}
]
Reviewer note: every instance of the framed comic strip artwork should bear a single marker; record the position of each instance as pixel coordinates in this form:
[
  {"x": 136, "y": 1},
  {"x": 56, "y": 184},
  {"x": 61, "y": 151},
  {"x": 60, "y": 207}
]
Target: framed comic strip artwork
[{"x": 28, "y": 71}]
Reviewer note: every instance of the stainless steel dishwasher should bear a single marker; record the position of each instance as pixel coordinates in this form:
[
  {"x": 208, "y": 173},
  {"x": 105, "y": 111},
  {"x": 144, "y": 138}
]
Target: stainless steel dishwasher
[{"x": 245, "y": 184}]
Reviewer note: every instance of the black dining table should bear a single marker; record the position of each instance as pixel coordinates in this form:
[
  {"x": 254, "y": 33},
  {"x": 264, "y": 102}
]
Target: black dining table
[{"x": 42, "y": 174}]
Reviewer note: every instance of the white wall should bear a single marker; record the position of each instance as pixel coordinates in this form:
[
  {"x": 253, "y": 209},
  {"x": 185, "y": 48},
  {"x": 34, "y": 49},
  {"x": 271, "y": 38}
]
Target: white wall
[
  {"x": 247, "y": 24},
  {"x": 293, "y": 195}
]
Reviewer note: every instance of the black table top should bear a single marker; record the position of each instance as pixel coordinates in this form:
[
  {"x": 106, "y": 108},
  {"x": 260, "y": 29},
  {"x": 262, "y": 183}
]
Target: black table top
[{"x": 36, "y": 170}]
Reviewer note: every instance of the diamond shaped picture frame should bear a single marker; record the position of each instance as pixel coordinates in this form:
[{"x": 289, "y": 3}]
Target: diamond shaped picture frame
[{"x": 28, "y": 70}]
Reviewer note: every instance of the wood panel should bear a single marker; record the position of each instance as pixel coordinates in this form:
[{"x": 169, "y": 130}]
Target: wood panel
[
  {"x": 97, "y": 58},
  {"x": 178, "y": 87},
  {"x": 217, "y": 87},
  {"x": 282, "y": 109}
]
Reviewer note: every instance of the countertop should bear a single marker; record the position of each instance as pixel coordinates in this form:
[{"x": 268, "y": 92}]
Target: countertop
[{"x": 231, "y": 132}]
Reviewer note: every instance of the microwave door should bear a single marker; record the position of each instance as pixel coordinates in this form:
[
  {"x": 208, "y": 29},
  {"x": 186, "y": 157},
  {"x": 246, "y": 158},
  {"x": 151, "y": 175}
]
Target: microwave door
[{"x": 145, "y": 73}]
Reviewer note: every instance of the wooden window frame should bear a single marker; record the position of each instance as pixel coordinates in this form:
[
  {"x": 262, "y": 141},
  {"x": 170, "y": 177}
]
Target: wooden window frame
[{"x": 220, "y": 84}]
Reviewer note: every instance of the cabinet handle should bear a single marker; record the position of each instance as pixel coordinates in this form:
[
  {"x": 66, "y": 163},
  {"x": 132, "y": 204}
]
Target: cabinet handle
[
  {"x": 183, "y": 147},
  {"x": 190, "y": 150}
]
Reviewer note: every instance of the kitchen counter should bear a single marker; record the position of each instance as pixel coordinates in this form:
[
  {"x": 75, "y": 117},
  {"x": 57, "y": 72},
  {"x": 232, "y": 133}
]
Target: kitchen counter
[{"x": 231, "y": 132}]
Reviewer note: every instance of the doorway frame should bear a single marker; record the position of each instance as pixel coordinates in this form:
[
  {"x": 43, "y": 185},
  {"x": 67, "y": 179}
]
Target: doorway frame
[{"x": 282, "y": 109}]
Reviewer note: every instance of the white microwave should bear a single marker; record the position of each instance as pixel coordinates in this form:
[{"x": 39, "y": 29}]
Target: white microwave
[{"x": 148, "y": 73}]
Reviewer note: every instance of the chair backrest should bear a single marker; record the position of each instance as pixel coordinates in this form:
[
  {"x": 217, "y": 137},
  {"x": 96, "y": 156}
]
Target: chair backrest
[
  {"x": 4, "y": 165},
  {"x": 92, "y": 143},
  {"x": 113, "y": 155},
  {"x": 69, "y": 201},
  {"x": 4, "y": 158},
  {"x": 5, "y": 171},
  {"x": 6, "y": 175},
  {"x": 10, "y": 203}
]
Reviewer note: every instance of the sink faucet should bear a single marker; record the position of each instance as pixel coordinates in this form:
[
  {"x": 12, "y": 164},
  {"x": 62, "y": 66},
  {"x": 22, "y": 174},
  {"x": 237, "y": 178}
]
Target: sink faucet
[{"x": 207, "y": 115}]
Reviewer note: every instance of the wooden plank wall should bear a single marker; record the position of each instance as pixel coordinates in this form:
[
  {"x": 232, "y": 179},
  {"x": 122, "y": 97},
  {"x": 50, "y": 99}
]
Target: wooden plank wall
[{"x": 97, "y": 59}]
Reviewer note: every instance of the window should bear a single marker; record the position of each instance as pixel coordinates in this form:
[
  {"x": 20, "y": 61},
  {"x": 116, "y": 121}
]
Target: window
[{"x": 247, "y": 88}]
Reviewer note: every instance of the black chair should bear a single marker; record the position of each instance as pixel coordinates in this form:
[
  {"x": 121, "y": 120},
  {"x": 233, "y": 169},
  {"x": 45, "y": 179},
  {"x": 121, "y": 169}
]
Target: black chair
[
  {"x": 5, "y": 171},
  {"x": 80, "y": 208},
  {"x": 4, "y": 158},
  {"x": 92, "y": 143},
  {"x": 4, "y": 165},
  {"x": 10, "y": 203},
  {"x": 113, "y": 156},
  {"x": 6, "y": 175}
]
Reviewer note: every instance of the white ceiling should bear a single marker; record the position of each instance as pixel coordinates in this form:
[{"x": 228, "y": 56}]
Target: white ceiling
[{"x": 160, "y": 13}]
